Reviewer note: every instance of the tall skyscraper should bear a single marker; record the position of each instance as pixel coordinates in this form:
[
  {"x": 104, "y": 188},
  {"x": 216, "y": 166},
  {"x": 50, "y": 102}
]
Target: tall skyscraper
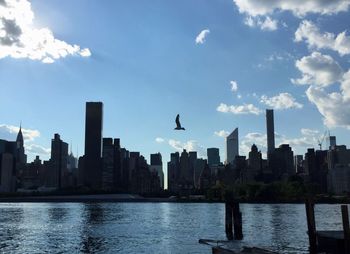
[
  {"x": 232, "y": 146},
  {"x": 93, "y": 145},
  {"x": 174, "y": 172},
  {"x": 331, "y": 142},
  {"x": 59, "y": 162},
  {"x": 270, "y": 129},
  {"x": 213, "y": 156},
  {"x": 157, "y": 166},
  {"x": 108, "y": 164},
  {"x": 21, "y": 157},
  {"x": 156, "y": 159}
]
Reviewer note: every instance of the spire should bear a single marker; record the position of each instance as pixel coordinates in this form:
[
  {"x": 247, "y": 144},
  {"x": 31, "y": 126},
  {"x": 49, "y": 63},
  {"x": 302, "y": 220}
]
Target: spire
[{"x": 19, "y": 138}]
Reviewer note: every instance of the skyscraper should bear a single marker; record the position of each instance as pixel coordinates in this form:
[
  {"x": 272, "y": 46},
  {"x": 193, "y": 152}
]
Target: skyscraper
[
  {"x": 59, "y": 162},
  {"x": 270, "y": 129},
  {"x": 232, "y": 146},
  {"x": 108, "y": 164},
  {"x": 93, "y": 145},
  {"x": 174, "y": 172},
  {"x": 213, "y": 156},
  {"x": 20, "y": 155},
  {"x": 157, "y": 166},
  {"x": 331, "y": 142}
]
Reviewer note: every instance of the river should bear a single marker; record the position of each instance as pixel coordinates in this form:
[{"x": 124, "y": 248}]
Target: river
[{"x": 151, "y": 227}]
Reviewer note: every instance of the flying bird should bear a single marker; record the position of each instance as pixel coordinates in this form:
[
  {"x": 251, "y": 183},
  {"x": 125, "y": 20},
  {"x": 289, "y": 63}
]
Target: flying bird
[{"x": 178, "y": 124}]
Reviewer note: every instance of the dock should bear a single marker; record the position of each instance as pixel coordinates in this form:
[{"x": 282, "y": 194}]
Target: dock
[
  {"x": 234, "y": 234},
  {"x": 327, "y": 241},
  {"x": 233, "y": 247}
]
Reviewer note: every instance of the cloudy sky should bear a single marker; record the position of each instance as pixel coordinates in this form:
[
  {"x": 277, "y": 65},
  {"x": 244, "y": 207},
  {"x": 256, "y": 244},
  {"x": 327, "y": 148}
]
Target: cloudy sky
[{"x": 219, "y": 64}]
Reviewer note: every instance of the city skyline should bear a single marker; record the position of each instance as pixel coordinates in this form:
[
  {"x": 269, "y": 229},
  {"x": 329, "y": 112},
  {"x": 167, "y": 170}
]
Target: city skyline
[{"x": 141, "y": 75}]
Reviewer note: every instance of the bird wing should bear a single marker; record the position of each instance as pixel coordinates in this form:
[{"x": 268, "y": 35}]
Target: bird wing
[{"x": 177, "y": 121}]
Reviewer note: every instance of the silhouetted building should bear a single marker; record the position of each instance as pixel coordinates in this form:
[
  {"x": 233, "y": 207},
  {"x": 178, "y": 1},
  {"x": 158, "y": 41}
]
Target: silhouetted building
[
  {"x": 192, "y": 157},
  {"x": 33, "y": 176},
  {"x": 205, "y": 177},
  {"x": 56, "y": 174},
  {"x": 174, "y": 172},
  {"x": 240, "y": 167},
  {"x": 232, "y": 146},
  {"x": 143, "y": 181},
  {"x": 270, "y": 129},
  {"x": 93, "y": 144},
  {"x": 156, "y": 159},
  {"x": 339, "y": 169},
  {"x": 124, "y": 183},
  {"x": 198, "y": 169},
  {"x": 7, "y": 169},
  {"x": 254, "y": 167},
  {"x": 213, "y": 156},
  {"x": 157, "y": 167},
  {"x": 281, "y": 162},
  {"x": 108, "y": 164},
  {"x": 298, "y": 164},
  {"x": 185, "y": 171},
  {"x": 331, "y": 142},
  {"x": 118, "y": 166},
  {"x": 21, "y": 157}
]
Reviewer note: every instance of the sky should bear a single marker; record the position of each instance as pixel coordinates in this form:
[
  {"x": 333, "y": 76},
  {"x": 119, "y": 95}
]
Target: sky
[{"x": 219, "y": 64}]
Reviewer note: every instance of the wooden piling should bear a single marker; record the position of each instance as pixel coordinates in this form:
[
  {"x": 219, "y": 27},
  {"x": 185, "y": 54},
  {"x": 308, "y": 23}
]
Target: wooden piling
[
  {"x": 311, "y": 225},
  {"x": 346, "y": 228},
  {"x": 237, "y": 220},
  {"x": 228, "y": 220}
]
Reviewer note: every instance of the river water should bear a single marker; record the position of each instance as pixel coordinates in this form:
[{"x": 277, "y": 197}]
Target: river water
[{"x": 151, "y": 227}]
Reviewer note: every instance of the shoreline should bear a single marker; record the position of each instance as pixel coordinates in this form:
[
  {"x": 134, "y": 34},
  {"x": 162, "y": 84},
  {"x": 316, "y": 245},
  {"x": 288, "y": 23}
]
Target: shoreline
[{"x": 130, "y": 198}]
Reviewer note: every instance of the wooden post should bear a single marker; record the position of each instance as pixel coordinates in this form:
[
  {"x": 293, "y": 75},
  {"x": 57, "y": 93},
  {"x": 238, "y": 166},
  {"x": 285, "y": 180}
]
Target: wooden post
[
  {"x": 228, "y": 220},
  {"x": 237, "y": 220},
  {"x": 311, "y": 225},
  {"x": 346, "y": 229}
]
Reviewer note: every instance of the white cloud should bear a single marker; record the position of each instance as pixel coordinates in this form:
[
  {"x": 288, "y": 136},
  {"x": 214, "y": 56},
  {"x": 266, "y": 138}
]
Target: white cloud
[
  {"x": 309, "y": 32},
  {"x": 200, "y": 39},
  {"x": 234, "y": 86},
  {"x": 20, "y": 39},
  {"x": 191, "y": 145},
  {"x": 309, "y": 132},
  {"x": 280, "y": 57},
  {"x": 281, "y": 101},
  {"x": 160, "y": 140},
  {"x": 222, "y": 133},
  {"x": 297, "y": 7},
  {"x": 239, "y": 109},
  {"x": 318, "y": 69},
  {"x": 250, "y": 21},
  {"x": 37, "y": 150},
  {"x": 266, "y": 24},
  {"x": 9, "y": 132},
  {"x": 334, "y": 106},
  {"x": 85, "y": 52}
]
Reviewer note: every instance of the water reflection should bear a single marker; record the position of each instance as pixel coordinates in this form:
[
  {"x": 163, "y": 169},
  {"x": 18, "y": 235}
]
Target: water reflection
[
  {"x": 91, "y": 240},
  {"x": 11, "y": 236},
  {"x": 57, "y": 214}
]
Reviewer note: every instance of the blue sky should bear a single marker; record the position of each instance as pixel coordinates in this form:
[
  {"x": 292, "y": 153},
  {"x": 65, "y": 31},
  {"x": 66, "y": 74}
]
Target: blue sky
[{"x": 141, "y": 59}]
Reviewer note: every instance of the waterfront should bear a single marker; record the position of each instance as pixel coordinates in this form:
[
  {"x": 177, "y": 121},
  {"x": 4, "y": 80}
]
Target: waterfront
[{"x": 151, "y": 227}]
